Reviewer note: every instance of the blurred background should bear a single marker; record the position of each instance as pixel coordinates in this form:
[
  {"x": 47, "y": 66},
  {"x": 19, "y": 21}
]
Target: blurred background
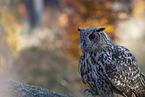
[{"x": 39, "y": 41}]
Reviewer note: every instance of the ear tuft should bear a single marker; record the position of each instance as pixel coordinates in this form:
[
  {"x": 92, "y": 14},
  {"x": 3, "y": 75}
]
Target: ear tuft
[
  {"x": 100, "y": 29},
  {"x": 80, "y": 29}
]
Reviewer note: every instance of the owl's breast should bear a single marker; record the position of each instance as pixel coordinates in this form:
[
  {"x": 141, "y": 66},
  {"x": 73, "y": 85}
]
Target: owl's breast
[
  {"x": 90, "y": 67},
  {"x": 92, "y": 73}
]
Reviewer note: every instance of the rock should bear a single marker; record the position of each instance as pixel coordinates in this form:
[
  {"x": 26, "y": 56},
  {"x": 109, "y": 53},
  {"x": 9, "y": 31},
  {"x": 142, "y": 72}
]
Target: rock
[{"x": 16, "y": 89}]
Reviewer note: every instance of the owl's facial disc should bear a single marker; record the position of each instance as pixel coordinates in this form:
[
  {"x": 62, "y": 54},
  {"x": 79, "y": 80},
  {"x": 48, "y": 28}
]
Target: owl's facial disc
[{"x": 89, "y": 38}]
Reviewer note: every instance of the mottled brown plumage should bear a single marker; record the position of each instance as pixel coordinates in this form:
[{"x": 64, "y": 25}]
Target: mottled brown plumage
[{"x": 108, "y": 68}]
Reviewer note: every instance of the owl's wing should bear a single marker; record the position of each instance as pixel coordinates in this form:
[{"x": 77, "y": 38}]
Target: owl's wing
[{"x": 122, "y": 70}]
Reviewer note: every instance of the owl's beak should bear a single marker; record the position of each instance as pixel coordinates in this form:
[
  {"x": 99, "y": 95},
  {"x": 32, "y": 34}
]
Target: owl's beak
[{"x": 83, "y": 46}]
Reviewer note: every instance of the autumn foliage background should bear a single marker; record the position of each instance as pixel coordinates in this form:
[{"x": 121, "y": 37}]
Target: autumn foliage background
[{"x": 39, "y": 41}]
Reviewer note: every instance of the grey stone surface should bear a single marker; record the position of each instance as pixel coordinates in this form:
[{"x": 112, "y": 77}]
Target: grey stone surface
[{"x": 16, "y": 89}]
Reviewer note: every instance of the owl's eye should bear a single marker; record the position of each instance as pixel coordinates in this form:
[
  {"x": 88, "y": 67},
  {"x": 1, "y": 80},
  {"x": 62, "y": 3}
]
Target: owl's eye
[{"x": 92, "y": 36}]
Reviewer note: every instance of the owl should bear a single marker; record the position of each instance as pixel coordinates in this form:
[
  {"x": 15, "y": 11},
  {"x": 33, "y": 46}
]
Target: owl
[{"x": 108, "y": 68}]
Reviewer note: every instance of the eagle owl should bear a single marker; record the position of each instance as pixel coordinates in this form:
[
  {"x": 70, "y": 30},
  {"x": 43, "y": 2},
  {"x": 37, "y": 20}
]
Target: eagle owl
[{"x": 108, "y": 68}]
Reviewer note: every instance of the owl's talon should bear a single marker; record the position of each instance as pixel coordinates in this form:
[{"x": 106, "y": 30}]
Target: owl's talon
[
  {"x": 89, "y": 94},
  {"x": 86, "y": 90}
]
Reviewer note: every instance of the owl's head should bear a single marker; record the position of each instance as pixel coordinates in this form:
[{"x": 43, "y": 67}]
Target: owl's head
[{"x": 93, "y": 39}]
